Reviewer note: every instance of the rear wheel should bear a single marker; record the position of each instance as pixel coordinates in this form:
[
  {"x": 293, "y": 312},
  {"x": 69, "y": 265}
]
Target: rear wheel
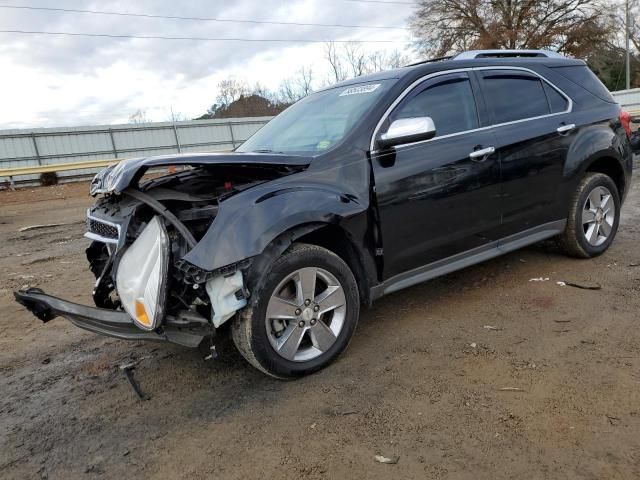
[
  {"x": 594, "y": 216},
  {"x": 302, "y": 316}
]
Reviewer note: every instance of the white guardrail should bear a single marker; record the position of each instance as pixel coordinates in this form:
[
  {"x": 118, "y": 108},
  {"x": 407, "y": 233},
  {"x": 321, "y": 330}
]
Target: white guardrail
[
  {"x": 629, "y": 100},
  {"x": 80, "y": 152}
]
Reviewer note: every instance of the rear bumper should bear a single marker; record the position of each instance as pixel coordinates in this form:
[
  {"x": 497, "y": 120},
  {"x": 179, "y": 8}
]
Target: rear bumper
[{"x": 111, "y": 323}]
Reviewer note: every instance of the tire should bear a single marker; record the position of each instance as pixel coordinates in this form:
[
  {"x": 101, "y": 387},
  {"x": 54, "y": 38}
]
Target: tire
[
  {"x": 281, "y": 335},
  {"x": 579, "y": 238}
]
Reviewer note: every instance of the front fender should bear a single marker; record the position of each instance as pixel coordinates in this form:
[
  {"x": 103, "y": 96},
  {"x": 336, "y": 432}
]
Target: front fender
[{"x": 248, "y": 222}]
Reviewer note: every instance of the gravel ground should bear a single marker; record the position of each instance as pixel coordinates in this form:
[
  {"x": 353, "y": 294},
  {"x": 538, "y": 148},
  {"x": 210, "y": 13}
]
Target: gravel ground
[{"x": 480, "y": 374}]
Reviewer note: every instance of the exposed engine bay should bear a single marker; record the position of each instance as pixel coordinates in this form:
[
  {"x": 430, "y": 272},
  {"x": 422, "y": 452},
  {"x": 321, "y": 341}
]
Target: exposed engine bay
[{"x": 184, "y": 206}]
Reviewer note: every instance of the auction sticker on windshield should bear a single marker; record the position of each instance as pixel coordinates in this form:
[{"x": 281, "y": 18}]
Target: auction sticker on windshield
[{"x": 360, "y": 89}]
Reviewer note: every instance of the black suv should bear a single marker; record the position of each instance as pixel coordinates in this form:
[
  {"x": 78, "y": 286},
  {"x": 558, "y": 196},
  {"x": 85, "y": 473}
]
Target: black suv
[{"x": 356, "y": 191}]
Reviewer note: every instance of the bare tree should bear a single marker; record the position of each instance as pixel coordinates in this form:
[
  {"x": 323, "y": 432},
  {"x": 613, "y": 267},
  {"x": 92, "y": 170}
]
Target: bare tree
[
  {"x": 230, "y": 90},
  {"x": 262, "y": 91},
  {"x": 294, "y": 88},
  {"x": 376, "y": 61},
  {"x": 336, "y": 62},
  {"x": 304, "y": 81},
  {"x": 568, "y": 26},
  {"x": 288, "y": 93},
  {"x": 356, "y": 59},
  {"x": 397, "y": 59},
  {"x": 352, "y": 61},
  {"x": 384, "y": 60},
  {"x": 176, "y": 116},
  {"x": 140, "y": 116}
]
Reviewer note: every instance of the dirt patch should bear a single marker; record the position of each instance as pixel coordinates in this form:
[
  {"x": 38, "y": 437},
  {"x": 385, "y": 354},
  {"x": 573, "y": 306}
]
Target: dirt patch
[{"x": 550, "y": 392}]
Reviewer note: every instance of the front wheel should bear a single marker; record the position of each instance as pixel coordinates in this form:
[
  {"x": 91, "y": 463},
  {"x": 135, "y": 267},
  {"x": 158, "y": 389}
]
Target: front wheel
[
  {"x": 593, "y": 217},
  {"x": 302, "y": 315}
]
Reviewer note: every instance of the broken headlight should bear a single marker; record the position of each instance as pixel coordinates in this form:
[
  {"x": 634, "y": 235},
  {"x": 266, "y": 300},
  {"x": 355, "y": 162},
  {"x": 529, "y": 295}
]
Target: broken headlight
[{"x": 141, "y": 279}]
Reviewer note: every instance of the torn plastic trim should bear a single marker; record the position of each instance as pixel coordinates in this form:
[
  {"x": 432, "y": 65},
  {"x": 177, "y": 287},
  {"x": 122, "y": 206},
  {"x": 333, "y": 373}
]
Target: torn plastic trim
[
  {"x": 252, "y": 266},
  {"x": 227, "y": 295},
  {"x": 194, "y": 274}
]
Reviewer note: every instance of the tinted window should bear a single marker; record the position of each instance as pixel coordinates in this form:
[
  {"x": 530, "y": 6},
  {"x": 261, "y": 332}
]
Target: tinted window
[
  {"x": 448, "y": 101},
  {"x": 581, "y": 75},
  {"x": 557, "y": 102},
  {"x": 513, "y": 97}
]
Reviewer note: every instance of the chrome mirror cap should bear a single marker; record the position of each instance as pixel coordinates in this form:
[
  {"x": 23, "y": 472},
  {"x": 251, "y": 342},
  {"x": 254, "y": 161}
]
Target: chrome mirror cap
[{"x": 408, "y": 130}]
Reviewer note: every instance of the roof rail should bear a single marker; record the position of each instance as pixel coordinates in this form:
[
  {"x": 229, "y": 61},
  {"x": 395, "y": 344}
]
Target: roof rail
[
  {"x": 430, "y": 60},
  {"x": 471, "y": 54}
]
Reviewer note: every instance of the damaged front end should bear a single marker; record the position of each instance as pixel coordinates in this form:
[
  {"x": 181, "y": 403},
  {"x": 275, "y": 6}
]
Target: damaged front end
[{"x": 140, "y": 234}]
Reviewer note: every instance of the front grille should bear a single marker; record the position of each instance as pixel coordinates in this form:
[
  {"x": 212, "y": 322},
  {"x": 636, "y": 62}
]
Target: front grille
[{"x": 104, "y": 230}]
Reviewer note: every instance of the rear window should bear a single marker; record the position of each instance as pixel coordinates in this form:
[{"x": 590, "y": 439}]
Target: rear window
[
  {"x": 583, "y": 76},
  {"x": 514, "y": 96}
]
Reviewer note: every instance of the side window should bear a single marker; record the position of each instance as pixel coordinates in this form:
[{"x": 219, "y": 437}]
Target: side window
[
  {"x": 448, "y": 100},
  {"x": 556, "y": 101},
  {"x": 513, "y": 96}
]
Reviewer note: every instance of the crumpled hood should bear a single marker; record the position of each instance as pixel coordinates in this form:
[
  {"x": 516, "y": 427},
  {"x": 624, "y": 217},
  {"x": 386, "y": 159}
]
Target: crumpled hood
[{"x": 115, "y": 178}]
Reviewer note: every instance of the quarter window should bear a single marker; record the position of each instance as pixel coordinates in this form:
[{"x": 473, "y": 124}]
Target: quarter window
[
  {"x": 557, "y": 102},
  {"x": 511, "y": 96},
  {"x": 448, "y": 101}
]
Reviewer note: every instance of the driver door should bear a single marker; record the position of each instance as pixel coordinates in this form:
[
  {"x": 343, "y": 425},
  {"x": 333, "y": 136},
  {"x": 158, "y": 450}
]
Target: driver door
[{"x": 440, "y": 197}]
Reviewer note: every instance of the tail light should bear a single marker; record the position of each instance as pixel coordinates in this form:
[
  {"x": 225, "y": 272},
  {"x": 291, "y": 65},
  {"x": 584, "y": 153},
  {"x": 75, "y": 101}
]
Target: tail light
[{"x": 625, "y": 120}]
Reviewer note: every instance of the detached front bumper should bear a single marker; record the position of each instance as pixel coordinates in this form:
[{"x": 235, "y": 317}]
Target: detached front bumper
[{"x": 112, "y": 323}]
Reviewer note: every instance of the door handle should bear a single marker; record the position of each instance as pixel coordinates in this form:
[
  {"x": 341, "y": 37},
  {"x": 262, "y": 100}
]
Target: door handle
[
  {"x": 562, "y": 129},
  {"x": 482, "y": 155}
]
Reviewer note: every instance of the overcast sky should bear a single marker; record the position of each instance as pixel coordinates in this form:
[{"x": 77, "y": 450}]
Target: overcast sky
[{"x": 51, "y": 81}]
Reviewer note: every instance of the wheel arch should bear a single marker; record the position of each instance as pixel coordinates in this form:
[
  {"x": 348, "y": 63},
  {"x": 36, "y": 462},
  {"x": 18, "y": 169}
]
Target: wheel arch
[
  {"x": 608, "y": 165},
  {"x": 598, "y": 148},
  {"x": 326, "y": 235},
  {"x": 337, "y": 240}
]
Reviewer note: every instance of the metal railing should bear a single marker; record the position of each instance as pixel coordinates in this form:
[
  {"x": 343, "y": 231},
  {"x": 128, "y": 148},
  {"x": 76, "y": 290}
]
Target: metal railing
[
  {"x": 629, "y": 100},
  {"x": 38, "y": 169},
  {"x": 81, "y": 151}
]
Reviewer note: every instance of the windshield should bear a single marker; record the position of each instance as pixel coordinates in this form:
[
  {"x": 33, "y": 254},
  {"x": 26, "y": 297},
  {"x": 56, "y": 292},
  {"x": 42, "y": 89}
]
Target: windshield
[{"x": 317, "y": 122}]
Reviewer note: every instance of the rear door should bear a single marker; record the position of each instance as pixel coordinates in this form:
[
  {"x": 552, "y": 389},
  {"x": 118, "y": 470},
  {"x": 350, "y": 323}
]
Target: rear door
[
  {"x": 439, "y": 197},
  {"x": 534, "y": 133}
]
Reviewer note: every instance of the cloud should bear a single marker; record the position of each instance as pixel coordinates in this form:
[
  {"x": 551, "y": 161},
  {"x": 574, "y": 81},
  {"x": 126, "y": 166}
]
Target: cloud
[{"x": 59, "y": 81}]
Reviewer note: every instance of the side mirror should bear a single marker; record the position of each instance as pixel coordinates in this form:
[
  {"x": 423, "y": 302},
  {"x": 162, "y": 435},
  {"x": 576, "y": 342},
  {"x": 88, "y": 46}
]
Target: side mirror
[{"x": 408, "y": 130}]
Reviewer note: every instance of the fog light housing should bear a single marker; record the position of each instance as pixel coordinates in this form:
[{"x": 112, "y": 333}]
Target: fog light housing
[{"x": 141, "y": 279}]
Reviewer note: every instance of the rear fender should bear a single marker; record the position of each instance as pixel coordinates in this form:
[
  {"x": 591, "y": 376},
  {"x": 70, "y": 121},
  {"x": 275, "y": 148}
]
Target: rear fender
[{"x": 593, "y": 143}]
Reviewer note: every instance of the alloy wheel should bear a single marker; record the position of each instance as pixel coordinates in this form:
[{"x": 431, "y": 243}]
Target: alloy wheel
[
  {"x": 598, "y": 216},
  {"x": 305, "y": 314}
]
